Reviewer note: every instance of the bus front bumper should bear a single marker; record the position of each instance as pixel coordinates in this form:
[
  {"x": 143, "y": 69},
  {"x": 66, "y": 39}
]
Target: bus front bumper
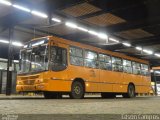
[{"x": 32, "y": 88}]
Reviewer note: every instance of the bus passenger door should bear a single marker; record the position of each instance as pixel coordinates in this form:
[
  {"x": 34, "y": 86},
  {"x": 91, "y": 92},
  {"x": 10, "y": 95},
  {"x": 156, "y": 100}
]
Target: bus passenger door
[{"x": 59, "y": 71}]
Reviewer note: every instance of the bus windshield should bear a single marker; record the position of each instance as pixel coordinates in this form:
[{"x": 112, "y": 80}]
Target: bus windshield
[{"x": 34, "y": 59}]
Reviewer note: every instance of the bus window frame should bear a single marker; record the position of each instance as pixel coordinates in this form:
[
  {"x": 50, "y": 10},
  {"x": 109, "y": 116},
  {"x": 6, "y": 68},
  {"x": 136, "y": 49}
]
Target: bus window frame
[
  {"x": 140, "y": 68},
  {"x": 66, "y": 66},
  {"x": 76, "y": 56},
  {"x": 117, "y": 64},
  {"x": 97, "y": 61},
  {"x": 105, "y": 62},
  {"x": 131, "y": 66},
  {"x": 148, "y": 73}
]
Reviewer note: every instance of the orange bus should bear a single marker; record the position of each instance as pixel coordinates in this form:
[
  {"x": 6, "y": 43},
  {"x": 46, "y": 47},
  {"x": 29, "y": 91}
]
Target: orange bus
[{"x": 56, "y": 66}]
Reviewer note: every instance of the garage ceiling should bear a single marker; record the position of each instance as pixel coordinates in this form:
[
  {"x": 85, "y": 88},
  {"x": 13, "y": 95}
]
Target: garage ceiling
[{"x": 134, "y": 21}]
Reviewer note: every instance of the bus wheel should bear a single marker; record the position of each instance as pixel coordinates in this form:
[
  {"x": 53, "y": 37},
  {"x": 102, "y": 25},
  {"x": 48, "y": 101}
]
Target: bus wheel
[
  {"x": 52, "y": 95},
  {"x": 130, "y": 92},
  {"x": 108, "y": 95},
  {"x": 77, "y": 90}
]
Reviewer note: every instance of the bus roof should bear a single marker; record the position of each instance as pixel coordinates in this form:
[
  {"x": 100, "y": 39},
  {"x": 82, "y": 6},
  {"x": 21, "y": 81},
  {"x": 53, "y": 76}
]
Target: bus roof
[{"x": 96, "y": 49}]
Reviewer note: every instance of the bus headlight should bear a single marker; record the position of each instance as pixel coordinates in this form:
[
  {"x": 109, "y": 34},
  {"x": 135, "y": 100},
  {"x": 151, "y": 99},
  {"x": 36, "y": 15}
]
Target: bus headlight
[
  {"x": 19, "y": 82},
  {"x": 41, "y": 80}
]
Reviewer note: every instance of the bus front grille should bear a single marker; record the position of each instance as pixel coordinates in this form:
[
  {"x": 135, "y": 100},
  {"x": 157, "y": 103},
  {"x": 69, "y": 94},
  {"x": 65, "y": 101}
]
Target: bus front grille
[{"x": 29, "y": 82}]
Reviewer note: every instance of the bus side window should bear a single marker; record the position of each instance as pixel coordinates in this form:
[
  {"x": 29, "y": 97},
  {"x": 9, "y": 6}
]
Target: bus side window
[
  {"x": 144, "y": 69},
  {"x": 76, "y": 56},
  {"x": 58, "y": 58},
  {"x": 105, "y": 62},
  {"x": 136, "y": 68},
  {"x": 127, "y": 66},
  {"x": 91, "y": 59},
  {"x": 117, "y": 64}
]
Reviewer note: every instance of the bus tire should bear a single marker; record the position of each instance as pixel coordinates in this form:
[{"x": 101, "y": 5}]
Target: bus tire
[
  {"x": 108, "y": 95},
  {"x": 130, "y": 92},
  {"x": 52, "y": 95},
  {"x": 77, "y": 90}
]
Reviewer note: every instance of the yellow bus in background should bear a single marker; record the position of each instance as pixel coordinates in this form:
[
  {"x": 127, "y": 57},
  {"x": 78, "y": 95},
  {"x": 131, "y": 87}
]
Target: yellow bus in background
[{"x": 56, "y": 66}]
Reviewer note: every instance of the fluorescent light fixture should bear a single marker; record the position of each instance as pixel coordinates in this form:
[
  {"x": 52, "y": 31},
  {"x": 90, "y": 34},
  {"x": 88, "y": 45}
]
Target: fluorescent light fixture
[
  {"x": 126, "y": 44},
  {"x": 56, "y": 20},
  {"x": 102, "y": 36},
  {"x": 148, "y": 51},
  {"x": 39, "y": 14},
  {"x": 21, "y": 8},
  {"x": 92, "y": 32},
  {"x": 82, "y": 29},
  {"x": 158, "y": 72},
  {"x": 151, "y": 71},
  {"x": 114, "y": 40},
  {"x": 2, "y": 68},
  {"x": 5, "y": 2},
  {"x": 156, "y": 54},
  {"x": 16, "y": 61},
  {"x": 72, "y": 25},
  {"x": 25, "y": 46},
  {"x": 4, "y": 41},
  {"x": 13, "y": 43},
  {"x": 17, "y": 44},
  {"x": 38, "y": 43},
  {"x": 138, "y": 48}
]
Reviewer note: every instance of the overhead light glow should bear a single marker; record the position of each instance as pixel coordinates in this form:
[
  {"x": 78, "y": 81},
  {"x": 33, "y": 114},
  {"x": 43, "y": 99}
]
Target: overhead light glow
[
  {"x": 156, "y": 54},
  {"x": 92, "y": 32},
  {"x": 4, "y": 41},
  {"x": 5, "y": 2},
  {"x": 13, "y": 43},
  {"x": 16, "y": 61},
  {"x": 17, "y": 44},
  {"x": 138, "y": 48},
  {"x": 114, "y": 40},
  {"x": 102, "y": 36},
  {"x": 82, "y": 29},
  {"x": 25, "y": 46},
  {"x": 158, "y": 72},
  {"x": 72, "y": 25},
  {"x": 151, "y": 71},
  {"x": 126, "y": 44},
  {"x": 148, "y": 51},
  {"x": 56, "y": 20},
  {"x": 39, "y": 14},
  {"x": 21, "y": 8}
]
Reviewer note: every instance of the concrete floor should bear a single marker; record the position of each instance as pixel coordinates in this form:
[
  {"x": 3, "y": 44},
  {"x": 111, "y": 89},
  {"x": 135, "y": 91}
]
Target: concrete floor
[{"x": 89, "y": 105}]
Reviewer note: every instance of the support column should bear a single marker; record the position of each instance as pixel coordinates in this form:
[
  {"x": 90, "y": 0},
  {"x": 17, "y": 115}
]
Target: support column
[
  {"x": 155, "y": 83},
  {"x": 9, "y": 65},
  {"x": 0, "y": 81}
]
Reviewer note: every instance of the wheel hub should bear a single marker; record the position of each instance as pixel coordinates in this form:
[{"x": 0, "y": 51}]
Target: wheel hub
[{"x": 77, "y": 89}]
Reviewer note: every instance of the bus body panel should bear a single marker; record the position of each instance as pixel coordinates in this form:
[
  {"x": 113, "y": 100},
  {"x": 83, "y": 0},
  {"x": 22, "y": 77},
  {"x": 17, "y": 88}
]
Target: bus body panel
[
  {"x": 96, "y": 80},
  {"x": 106, "y": 82}
]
